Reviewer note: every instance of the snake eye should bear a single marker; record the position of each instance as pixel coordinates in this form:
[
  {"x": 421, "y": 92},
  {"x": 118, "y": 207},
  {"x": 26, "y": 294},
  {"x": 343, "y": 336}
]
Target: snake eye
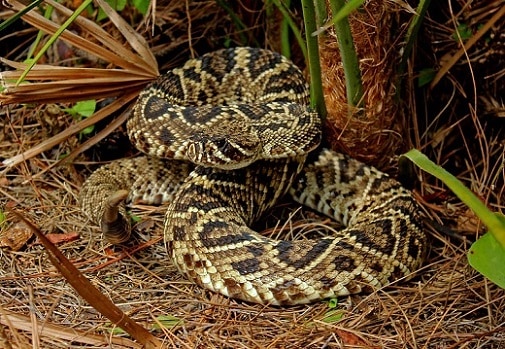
[
  {"x": 226, "y": 148},
  {"x": 223, "y": 146}
]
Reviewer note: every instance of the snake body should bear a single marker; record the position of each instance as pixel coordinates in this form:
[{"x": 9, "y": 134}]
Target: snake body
[{"x": 236, "y": 128}]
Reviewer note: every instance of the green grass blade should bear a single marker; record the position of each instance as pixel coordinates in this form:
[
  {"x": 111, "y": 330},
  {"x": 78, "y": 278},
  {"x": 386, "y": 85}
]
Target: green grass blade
[
  {"x": 18, "y": 15},
  {"x": 47, "y": 14},
  {"x": 53, "y": 38},
  {"x": 493, "y": 223},
  {"x": 287, "y": 22},
  {"x": 344, "y": 9},
  {"x": 487, "y": 254}
]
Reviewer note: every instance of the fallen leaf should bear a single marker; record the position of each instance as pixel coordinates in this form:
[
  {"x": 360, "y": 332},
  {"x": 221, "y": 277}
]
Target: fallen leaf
[
  {"x": 349, "y": 338},
  {"x": 4, "y": 182},
  {"x": 16, "y": 236},
  {"x": 61, "y": 238}
]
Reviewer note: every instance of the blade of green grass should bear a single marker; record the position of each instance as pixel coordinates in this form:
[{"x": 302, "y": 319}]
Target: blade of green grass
[
  {"x": 18, "y": 15},
  {"x": 487, "y": 255},
  {"x": 344, "y": 12},
  {"x": 493, "y": 223},
  {"x": 287, "y": 22},
  {"x": 47, "y": 14},
  {"x": 53, "y": 38},
  {"x": 321, "y": 14}
]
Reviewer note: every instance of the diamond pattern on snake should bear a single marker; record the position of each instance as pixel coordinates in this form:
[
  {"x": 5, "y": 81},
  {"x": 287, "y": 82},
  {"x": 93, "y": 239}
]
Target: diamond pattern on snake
[{"x": 225, "y": 136}]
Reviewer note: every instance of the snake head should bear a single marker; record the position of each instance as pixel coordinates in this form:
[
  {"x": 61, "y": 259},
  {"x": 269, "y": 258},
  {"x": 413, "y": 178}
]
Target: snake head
[
  {"x": 226, "y": 147},
  {"x": 220, "y": 153}
]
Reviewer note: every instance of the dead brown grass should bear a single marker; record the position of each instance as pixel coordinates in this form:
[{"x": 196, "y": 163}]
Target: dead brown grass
[{"x": 446, "y": 305}]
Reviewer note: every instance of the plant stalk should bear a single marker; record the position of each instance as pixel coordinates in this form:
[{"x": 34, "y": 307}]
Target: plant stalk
[
  {"x": 316, "y": 86},
  {"x": 350, "y": 62}
]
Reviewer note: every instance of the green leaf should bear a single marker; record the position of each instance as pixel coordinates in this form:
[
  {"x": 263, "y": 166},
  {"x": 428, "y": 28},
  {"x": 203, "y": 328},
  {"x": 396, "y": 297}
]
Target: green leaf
[
  {"x": 464, "y": 31},
  {"x": 425, "y": 76},
  {"x": 333, "y": 315},
  {"x": 101, "y": 15},
  {"x": 3, "y": 218},
  {"x": 115, "y": 330},
  {"x": 288, "y": 22},
  {"x": 134, "y": 218},
  {"x": 85, "y": 108},
  {"x": 494, "y": 222},
  {"x": 87, "y": 130},
  {"x": 82, "y": 108},
  {"x": 346, "y": 10},
  {"x": 348, "y": 54},
  {"x": 117, "y": 5},
  {"x": 47, "y": 14},
  {"x": 332, "y": 303},
  {"x": 316, "y": 85},
  {"x": 120, "y": 4},
  {"x": 166, "y": 321},
  {"x": 488, "y": 257},
  {"x": 141, "y": 5},
  {"x": 495, "y": 225},
  {"x": 29, "y": 61}
]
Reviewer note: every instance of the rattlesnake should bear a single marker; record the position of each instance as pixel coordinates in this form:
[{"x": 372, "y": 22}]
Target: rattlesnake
[{"x": 236, "y": 126}]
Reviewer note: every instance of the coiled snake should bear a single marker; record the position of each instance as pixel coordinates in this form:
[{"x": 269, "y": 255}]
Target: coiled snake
[{"x": 236, "y": 128}]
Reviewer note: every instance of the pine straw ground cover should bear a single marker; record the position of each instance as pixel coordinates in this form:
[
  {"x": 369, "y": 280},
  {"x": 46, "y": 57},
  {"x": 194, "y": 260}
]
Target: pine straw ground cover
[{"x": 446, "y": 304}]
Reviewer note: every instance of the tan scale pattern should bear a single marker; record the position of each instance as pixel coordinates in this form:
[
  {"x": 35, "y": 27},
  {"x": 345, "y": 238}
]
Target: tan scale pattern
[{"x": 208, "y": 112}]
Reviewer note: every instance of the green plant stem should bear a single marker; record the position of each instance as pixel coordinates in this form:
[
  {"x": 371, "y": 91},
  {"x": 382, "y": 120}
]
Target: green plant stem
[
  {"x": 47, "y": 14},
  {"x": 285, "y": 44},
  {"x": 321, "y": 13},
  {"x": 292, "y": 25},
  {"x": 316, "y": 86},
  {"x": 492, "y": 221},
  {"x": 350, "y": 62},
  {"x": 287, "y": 21}
]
